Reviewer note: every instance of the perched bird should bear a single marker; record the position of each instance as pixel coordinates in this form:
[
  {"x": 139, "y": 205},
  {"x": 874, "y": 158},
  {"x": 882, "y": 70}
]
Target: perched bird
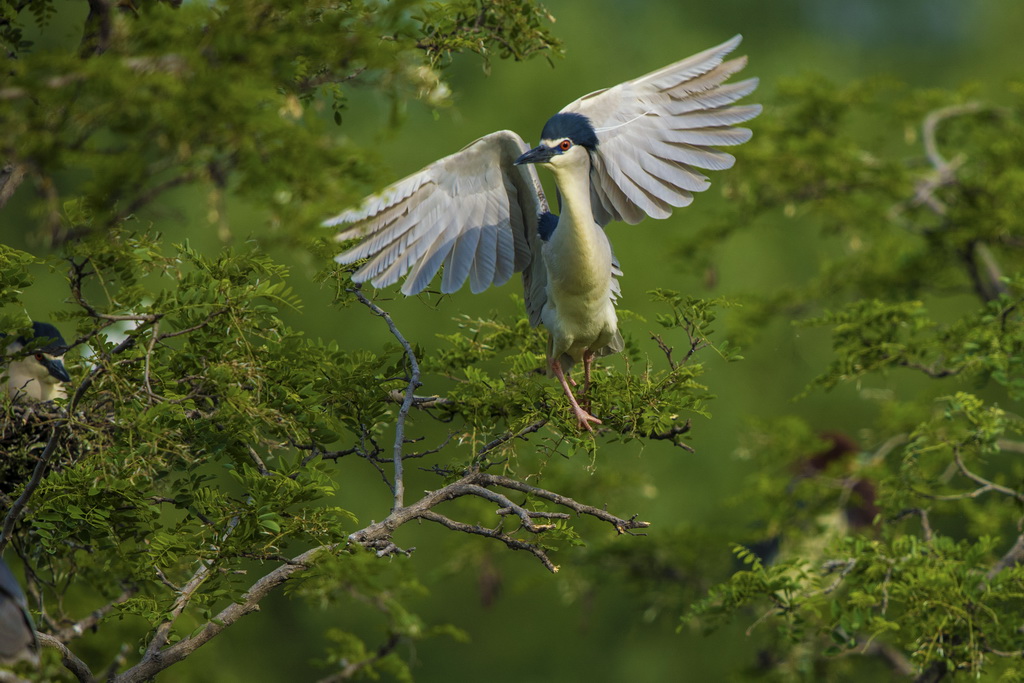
[
  {"x": 39, "y": 374},
  {"x": 17, "y": 632},
  {"x": 622, "y": 153}
]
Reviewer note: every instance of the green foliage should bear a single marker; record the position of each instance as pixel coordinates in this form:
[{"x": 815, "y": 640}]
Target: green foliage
[
  {"x": 494, "y": 358},
  {"x": 174, "y": 95},
  {"x": 872, "y": 336},
  {"x": 512, "y": 28},
  {"x": 14, "y": 278},
  {"x": 211, "y": 448},
  {"x": 905, "y": 550}
]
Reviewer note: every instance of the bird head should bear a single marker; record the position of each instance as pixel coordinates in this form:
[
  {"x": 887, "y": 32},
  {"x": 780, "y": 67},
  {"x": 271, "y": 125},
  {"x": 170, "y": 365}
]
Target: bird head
[
  {"x": 36, "y": 364},
  {"x": 566, "y": 141}
]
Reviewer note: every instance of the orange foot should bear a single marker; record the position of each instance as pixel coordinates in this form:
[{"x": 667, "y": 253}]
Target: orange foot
[{"x": 585, "y": 418}]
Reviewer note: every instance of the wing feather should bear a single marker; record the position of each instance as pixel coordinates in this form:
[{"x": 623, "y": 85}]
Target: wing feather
[
  {"x": 473, "y": 211},
  {"x": 460, "y": 260},
  {"x": 426, "y": 266},
  {"x": 481, "y": 272},
  {"x": 655, "y": 131},
  {"x": 504, "y": 254}
]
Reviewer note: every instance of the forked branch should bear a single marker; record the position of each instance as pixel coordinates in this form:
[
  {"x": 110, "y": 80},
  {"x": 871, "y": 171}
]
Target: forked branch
[{"x": 480, "y": 484}]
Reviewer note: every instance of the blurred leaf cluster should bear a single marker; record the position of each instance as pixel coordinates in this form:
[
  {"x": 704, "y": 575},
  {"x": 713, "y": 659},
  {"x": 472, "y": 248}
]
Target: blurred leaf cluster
[{"x": 902, "y": 542}]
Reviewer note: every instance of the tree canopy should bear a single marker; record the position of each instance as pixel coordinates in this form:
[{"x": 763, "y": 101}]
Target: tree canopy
[{"x": 166, "y": 167}]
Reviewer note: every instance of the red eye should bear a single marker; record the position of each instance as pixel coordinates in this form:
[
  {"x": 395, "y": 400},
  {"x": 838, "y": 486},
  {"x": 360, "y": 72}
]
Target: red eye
[
  {"x": 564, "y": 145},
  {"x": 40, "y": 357}
]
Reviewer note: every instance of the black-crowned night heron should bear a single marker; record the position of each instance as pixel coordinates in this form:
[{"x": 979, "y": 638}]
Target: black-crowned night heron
[
  {"x": 17, "y": 632},
  {"x": 623, "y": 153},
  {"x": 34, "y": 370}
]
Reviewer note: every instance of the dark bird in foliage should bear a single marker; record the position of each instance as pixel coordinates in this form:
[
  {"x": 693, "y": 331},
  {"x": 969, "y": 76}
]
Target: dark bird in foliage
[
  {"x": 32, "y": 374},
  {"x": 857, "y": 508},
  {"x": 622, "y": 153},
  {"x": 17, "y": 632},
  {"x": 34, "y": 369}
]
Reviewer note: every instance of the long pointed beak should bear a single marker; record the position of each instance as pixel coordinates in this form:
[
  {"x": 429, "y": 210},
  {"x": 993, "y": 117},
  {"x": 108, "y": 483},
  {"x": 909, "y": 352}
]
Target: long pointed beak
[
  {"x": 56, "y": 369},
  {"x": 537, "y": 155}
]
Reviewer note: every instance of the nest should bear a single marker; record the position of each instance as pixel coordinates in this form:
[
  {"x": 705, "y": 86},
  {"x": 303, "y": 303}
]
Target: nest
[{"x": 25, "y": 429}]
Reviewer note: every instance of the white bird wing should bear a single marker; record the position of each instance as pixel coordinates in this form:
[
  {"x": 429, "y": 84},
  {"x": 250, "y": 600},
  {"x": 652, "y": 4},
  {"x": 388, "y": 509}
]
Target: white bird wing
[
  {"x": 475, "y": 212},
  {"x": 655, "y": 131}
]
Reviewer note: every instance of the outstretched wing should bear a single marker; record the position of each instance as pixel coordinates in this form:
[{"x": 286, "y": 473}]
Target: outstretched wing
[
  {"x": 655, "y": 131},
  {"x": 475, "y": 212}
]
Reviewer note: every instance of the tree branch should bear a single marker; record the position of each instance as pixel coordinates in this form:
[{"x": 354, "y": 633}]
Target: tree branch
[
  {"x": 926, "y": 527},
  {"x": 407, "y": 400},
  {"x": 11, "y": 176},
  {"x": 163, "y": 631},
  {"x": 68, "y": 658},
  {"x": 38, "y": 472},
  {"x": 508, "y": 436},
  {"x": 896, "y": 659},
  {"x": 377, "y": 537},
  {"x": 154, "y": 662},
  {"x": 986, "y": 485},
  {"x": 622, "y": 526},
  {"x": 513, "y": 543},
  {"x": 473, "y": 484},
  {"x": 1012, "y": 557},
  {"x": 672, "y": 432},
  {"x": 78, "y": 628}
]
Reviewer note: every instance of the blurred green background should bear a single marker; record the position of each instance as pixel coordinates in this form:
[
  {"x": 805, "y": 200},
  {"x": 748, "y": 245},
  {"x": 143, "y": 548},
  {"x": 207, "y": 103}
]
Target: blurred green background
[{"x": 570, "y": 626}]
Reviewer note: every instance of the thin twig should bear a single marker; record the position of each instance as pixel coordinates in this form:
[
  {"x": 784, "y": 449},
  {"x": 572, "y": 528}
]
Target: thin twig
[
  {"x": 665, "y": 348},
  {"x": 672, "y": 432},
  {"x": 352, "y": 668},
  {"x": 11, "y": 176},
  {"x": 1011, "y": 558},
  {"x": 986, "y": 485},
  {"x": 513, "y": 543},
  {"x": 896, "y": 659},
  {"x": 622, "y": 526},
  {"x": 506, "y": 506},
  {"x": 930, "y": 127},
  {"x": 407, "y": 400},
  {"x": 508, "y": 436},
  {"x": 79, "y": 628},
  {"x": 926, "y": 527},
  {"x": 843, "y": 566},
  {"x": 163, "y": 631},
  {"x": 1010, "y": 446},
  {"x": 422, "y": 402}
]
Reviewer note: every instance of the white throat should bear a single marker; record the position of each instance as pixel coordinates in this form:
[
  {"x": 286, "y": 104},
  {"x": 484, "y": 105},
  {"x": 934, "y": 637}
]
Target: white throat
[{"x": 28, "y": 380}]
